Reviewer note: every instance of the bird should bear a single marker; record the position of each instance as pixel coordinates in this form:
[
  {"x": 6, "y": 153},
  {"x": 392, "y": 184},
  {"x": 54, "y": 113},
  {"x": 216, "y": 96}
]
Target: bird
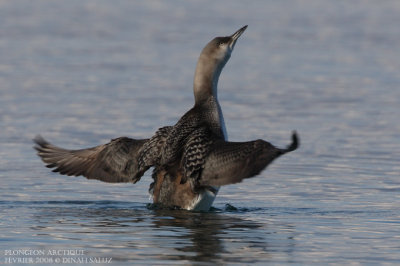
[{"x": 191, "y": 160}]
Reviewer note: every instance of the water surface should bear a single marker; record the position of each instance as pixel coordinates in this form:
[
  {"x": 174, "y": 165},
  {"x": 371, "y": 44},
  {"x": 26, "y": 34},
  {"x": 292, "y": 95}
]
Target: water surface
[{"x": 83, "y": 72}]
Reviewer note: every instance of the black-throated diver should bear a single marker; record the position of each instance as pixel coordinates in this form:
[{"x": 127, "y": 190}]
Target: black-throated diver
[{"x": 191, "y": 159}]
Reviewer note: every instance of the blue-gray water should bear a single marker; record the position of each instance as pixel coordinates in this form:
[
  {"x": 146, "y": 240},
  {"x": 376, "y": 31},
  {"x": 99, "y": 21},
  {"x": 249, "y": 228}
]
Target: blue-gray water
[{"x": 83, "y": 72}]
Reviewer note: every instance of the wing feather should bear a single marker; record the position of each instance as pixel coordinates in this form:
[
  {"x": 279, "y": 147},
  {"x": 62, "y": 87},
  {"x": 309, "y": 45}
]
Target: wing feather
[
  {"x": 231, "y": 162},
  {"x": 150, "y": 154},
  {"x": 113, "y": 162}
]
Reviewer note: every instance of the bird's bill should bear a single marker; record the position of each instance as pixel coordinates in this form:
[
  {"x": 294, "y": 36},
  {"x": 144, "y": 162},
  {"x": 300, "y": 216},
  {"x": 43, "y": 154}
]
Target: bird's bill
[{"x": 236, "y": 35}]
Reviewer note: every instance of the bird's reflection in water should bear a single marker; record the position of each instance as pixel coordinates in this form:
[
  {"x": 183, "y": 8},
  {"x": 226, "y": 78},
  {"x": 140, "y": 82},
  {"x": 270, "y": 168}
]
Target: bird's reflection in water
[
  {"x": 216, "y": 236},
  {"x": 207, "y": 232},
  {"x": 131, "y": 232}
]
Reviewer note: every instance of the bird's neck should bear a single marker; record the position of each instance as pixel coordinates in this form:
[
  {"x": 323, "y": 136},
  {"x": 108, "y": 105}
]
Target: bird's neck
[
  {"x": 205, "y": 91},
  {"x": 206, "y": 79}
]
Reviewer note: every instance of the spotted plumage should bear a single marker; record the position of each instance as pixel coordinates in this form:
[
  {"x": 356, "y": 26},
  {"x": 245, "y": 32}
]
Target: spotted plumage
[
  {"x": 150, "y": 152},
  {"x": 196, "y": 150}
]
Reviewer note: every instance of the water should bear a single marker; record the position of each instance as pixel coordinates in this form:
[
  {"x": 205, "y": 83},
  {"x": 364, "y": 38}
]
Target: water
[{"x": 83, "y": 72}]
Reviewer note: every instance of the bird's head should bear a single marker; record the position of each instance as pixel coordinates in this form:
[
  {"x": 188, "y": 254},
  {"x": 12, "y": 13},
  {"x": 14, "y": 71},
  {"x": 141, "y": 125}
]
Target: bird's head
[
  {"x": 220, "y": 48},
  {"x": 211, "y": 62}
]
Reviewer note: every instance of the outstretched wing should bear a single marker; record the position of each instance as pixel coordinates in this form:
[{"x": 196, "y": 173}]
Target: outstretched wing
[
  {"x": 231, "y": 162},
  {"x": 113, "y": 162}
]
